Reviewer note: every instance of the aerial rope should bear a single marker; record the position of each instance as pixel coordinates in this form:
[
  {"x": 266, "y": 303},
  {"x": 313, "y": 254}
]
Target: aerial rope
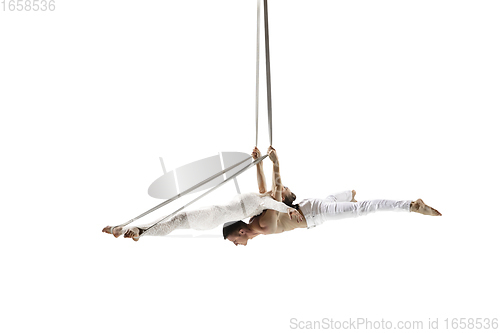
[
  {"x": 269, "y": 110},
  {"x": 268, "y": 77},
  {"x": 257, "y": 77}
]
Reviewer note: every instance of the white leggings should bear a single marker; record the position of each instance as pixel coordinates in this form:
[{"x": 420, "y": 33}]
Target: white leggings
[{"x": 338, "y": 206}]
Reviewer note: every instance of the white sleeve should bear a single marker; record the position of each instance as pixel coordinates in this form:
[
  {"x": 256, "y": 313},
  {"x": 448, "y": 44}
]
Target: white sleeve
[{"x": 270, "y": 203}]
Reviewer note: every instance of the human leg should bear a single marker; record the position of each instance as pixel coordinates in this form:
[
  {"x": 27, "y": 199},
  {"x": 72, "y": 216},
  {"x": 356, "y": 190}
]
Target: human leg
[
  {"x": 156, "y": 228},
  {"x": 345, "y": 196},
  {"x": 204, "y": 218},
  {"x": 339, "y": 210}
]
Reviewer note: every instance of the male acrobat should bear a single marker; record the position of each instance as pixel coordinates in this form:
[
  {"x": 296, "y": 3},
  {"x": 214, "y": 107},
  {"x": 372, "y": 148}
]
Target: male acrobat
[{"x": 312, "y": 212}]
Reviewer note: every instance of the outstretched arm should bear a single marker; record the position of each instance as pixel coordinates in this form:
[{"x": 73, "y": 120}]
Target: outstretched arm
[
  {"x": 261, "y": 178},
  {"x": 277, "y": 186}
]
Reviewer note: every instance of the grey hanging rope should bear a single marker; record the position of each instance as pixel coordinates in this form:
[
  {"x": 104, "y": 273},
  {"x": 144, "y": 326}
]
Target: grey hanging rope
[
  {"x": 257, "y": 77},
  {"x": 207, "y": 192},
  {"x": 268, "y": 77}
]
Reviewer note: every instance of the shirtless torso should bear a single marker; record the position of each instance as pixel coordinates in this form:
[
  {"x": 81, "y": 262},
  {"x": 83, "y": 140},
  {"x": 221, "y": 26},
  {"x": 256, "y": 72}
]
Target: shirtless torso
[
  {"x": 274, "y": 222},
  {"x": 271, "y": 221},
  {"x": 268, "y": 224},
  {"x": 285, "y": 224}
]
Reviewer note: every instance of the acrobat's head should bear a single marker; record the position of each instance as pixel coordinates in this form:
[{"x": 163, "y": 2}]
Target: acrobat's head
[
  {"x": 287, "y": 196},
  {"x": 236, "y": 232}
]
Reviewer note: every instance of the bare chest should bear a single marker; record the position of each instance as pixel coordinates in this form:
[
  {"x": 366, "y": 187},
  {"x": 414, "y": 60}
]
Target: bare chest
[{"x": 285, "y": 224}]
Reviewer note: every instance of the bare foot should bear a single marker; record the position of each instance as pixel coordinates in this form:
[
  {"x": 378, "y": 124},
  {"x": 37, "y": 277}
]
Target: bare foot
[
  {"x": 115, "y": 231},
  {"x": 134, "y": 233},
  {"x": 353, "y": 194},
  {"x": 419, "y": 206}
]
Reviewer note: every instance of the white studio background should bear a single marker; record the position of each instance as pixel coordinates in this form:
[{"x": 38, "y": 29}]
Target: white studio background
[{"x": 395, "y": 99}]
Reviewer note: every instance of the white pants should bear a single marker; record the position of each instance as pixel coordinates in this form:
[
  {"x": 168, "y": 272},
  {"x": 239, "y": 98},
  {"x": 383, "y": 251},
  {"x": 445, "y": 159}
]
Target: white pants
[{"x": 338, "y": 206}]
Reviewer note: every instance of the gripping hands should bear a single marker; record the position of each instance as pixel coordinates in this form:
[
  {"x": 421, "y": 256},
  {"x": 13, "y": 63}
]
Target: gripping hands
[{"x": 271, "y": 152}]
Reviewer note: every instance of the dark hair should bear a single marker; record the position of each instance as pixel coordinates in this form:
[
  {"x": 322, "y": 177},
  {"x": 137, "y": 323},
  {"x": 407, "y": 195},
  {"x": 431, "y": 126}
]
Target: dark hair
[
  {"x": 231, "y": 227},
  {"x": 289, "y": 202}
]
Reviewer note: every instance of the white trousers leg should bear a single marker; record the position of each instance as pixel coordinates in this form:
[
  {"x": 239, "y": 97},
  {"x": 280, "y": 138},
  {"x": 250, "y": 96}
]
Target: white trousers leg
[
  {"x": 179, "y": 221},
  {"x": 205, "y": 218},
  {"x": 322, "y": 210}
]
